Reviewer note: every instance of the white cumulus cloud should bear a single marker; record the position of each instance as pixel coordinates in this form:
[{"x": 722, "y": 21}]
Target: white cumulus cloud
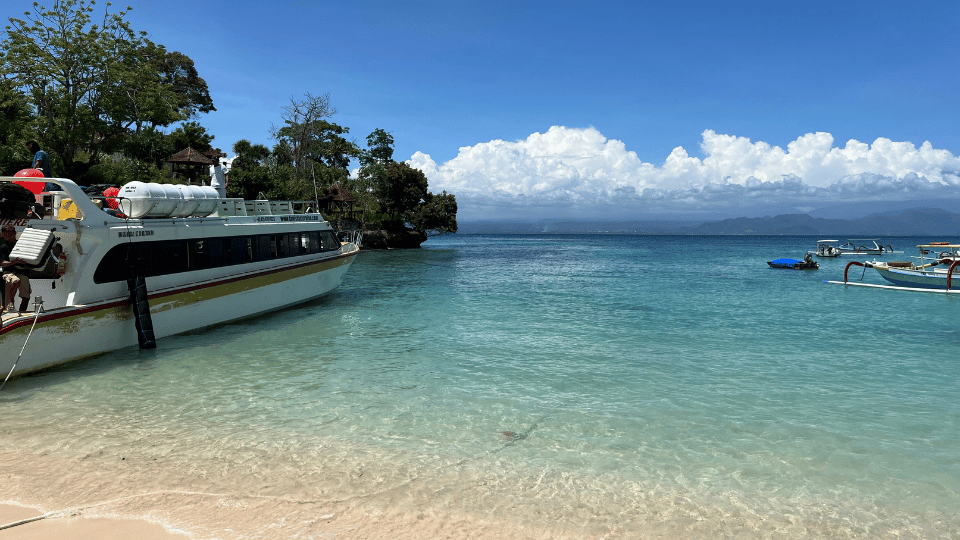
[{"x": 580, "y": 165}]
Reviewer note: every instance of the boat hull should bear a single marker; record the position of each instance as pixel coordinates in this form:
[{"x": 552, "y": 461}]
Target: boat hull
[
  {"x": 74, "y": 332},
  {"x": 917, "y": 280},
  {"x": 793, "y": 264}
]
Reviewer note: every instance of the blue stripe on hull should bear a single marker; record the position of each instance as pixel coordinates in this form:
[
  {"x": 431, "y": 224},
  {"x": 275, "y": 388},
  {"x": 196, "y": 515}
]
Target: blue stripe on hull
[{"x": 903, "y": 279}]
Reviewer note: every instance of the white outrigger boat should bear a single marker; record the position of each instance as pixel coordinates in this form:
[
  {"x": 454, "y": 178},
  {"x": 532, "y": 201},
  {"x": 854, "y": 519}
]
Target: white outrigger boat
[
  {"x": 831, "y": 248},
  {"x": 864, "y": 246},
  {"x": 181, "y": 258},
  {"x": 937, "y": 270}
]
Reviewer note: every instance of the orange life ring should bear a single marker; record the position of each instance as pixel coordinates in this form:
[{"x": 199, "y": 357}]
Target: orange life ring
[{"x": 939, "y": 244}]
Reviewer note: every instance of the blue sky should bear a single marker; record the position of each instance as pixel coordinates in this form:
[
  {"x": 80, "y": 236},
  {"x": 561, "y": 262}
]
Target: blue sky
[{"x": 578, "y": 108}]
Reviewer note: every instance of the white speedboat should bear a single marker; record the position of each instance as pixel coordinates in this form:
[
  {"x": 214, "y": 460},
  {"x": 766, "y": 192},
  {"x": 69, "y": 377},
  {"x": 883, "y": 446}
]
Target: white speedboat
[
  {"x": 827, "y": 248},
  {"x": 177, "y": 258}
]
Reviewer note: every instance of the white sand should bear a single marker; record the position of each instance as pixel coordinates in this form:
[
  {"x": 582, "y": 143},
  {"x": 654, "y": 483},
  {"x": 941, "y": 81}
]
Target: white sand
[
  {"x": 78, "y": 528},
  {"x": 146, "y": 502}
]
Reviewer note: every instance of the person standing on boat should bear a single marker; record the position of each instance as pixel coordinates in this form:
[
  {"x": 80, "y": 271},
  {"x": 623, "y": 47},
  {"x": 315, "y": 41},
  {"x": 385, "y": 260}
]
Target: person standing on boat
[
  {"x": 218, "y": 180},
  {"x": 40, "y": 159},
  {"x": 11, "y": 280}
]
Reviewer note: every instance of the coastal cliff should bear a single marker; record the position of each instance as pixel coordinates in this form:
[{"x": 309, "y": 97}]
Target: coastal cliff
[{"x": 396, "y": 239}]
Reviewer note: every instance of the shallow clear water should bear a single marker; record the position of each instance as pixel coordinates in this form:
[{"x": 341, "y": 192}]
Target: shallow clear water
[{"x": 601, "y": 385}]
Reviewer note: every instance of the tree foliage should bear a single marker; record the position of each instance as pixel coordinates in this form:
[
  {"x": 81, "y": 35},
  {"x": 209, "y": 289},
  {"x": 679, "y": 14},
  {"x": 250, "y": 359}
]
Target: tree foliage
[
  {"x": 190, "y": 134},
  {"x": 97, "y": 95},
  {"x": 436, "y": 215},
  {"x": 149, "y": 145},
  {"x": 90, "y": 84},
  {"x": 379, "y": 148},
  {"x": 249, "y": 172},
  {"x": 14, "y": 118},
  {"x": 401, "y": 189},
  {"x": 398, "y": 194},
  {"x": 316, "y": 148},
  {"x": 177, "y": 71}
]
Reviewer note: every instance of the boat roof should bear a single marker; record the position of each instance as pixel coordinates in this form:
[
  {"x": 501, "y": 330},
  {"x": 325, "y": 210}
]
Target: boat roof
[
  {"x": 825, "y": 241},
  {"x": 942, "y": 245},
  {"x": 76, "y": 193}
]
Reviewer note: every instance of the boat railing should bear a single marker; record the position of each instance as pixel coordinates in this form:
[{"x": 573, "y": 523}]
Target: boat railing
[
  {"x": 351, "y": 236},
  {"x": 68, "y": 201}
]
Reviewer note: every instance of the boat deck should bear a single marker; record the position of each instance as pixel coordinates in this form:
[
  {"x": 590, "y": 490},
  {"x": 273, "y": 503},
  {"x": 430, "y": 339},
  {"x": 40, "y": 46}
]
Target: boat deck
[{"x": 13, "y": 315}]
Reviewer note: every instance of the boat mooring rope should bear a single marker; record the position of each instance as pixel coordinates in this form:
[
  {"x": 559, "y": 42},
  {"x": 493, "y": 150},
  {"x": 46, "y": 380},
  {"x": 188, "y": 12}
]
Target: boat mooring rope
[{"x": 32, "y": 326}]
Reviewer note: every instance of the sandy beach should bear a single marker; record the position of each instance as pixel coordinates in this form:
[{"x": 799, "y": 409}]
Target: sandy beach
[
  {"x": 89, "y": 500},
  {"x": 67, "y": 527}
]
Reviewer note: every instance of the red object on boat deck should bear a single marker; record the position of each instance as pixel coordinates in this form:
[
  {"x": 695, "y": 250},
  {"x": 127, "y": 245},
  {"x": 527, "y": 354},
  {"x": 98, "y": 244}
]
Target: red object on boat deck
[
  {"x": 111, "y": 194},
  {"x": 34, "y": 187},
  {"x": 29, "y": 173}
]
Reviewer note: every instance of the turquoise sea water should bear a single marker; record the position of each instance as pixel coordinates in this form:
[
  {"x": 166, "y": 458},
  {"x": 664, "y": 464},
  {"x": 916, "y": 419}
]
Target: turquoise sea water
[{"x": 602, "y": 386}]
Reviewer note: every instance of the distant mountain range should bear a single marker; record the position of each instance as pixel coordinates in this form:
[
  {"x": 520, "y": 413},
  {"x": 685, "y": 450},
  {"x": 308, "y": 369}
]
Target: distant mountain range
[{"x": 911, "y": 222}]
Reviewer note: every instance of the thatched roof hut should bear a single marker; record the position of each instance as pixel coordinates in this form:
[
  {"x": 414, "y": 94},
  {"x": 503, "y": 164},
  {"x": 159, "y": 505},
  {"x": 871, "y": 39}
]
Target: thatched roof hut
[
  {"x": 191, "y": 164},
  {"x": 337, "y": 203}
]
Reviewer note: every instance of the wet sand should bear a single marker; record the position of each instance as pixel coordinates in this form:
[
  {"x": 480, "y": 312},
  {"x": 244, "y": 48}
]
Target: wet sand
[
  {"x": 93, "y": 499},
  {"x": 68, "y": 527},
  {"x": 97, "y": 498}
]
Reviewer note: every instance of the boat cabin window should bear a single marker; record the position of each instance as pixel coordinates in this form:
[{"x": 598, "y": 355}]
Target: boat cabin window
[
  {"x": 206, "y": 253},
  {"x": 163, "y": 257},
  {"x": 274, "y": 252},
  {"x": 197, "y": 255},
  {"x": 266, "y": 248},
  {"x": 237, "y": 250},
  {"x": 329, "y": 241},
  {"x": 248, "y": 249},
  {"x": 216, "y": 253}
]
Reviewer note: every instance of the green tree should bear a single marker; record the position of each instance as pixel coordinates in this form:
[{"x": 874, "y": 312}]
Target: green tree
[
  {"x": 437, "y": 214},
  {"x": 372, "y": 173},
  {"x": 190, "y": 134},
  {"x": 331, "y": 154},
  {"x": 319, "y": 154},
  {"x": 396, "y": 194},
  {"x": 279, "y": 165},
  {"x": 120, "y": 169},
  {"x": 14, "y": 118},
  {"x": 63, "y": 60},
  {"x": 178, "y": 72},
  {"x": 405, "y": 200},
  {"x": 91, "y": 83},
  {"x": 149, "y": 145},
  {"x": 379, "y": 148},
  {"x": 135, "y": 98},
  {"x": 249, "y": 174},
  {"x": 403, "y": 188},
  {"x": 299, "y": 133}
]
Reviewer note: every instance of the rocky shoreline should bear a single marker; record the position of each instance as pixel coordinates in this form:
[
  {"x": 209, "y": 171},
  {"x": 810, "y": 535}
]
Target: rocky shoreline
[{"x": 384, "y": 239}]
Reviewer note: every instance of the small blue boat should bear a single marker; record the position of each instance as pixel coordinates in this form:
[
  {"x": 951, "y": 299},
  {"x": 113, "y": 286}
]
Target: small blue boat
[{"x": 795, "y": 264}]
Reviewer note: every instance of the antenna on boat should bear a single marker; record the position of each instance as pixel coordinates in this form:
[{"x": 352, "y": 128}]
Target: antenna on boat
[{"x": 316, "y": 195}]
